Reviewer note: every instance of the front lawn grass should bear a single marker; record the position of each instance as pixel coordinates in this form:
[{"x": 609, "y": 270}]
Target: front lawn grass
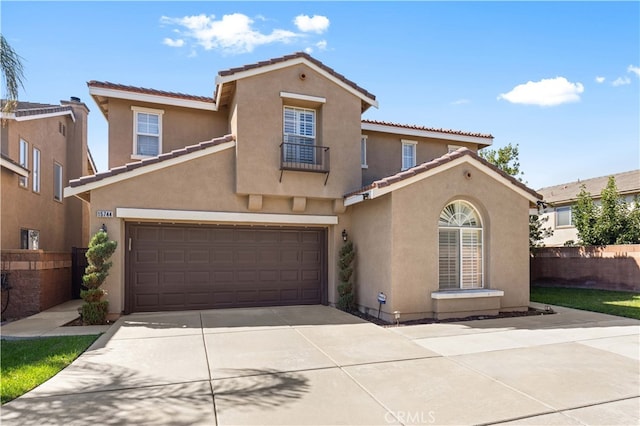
[
  {"x": 26, "y": 364},
  {"x": 620, "y": 303}
]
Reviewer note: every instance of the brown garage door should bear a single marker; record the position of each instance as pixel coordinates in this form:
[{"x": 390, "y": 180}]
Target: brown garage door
[{"x": 176, "y": 267}]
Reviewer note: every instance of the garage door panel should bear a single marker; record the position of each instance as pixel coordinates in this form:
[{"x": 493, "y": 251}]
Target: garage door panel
[
  {"x": 221, "y": 257},
  {"x": 309, "y": 256},
  {"x": 176, "y": 267},
  {"x": 289, "y": 256},
  {"x": 198, "y": 278},
  {"x": 246, "y": 257},
  {"x": 266, "y": 276},
  {"x": 268, "y": 257},
  {"x": 290, "y": 237},
  {"x": 289, "y": 275},
  {"x": 146, "y": 256},
  {"x": 173, "y": 234}
]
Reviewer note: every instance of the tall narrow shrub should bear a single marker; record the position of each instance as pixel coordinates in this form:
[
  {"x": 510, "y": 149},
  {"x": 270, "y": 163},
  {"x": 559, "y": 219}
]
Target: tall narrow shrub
[
  {"x": 346, "y": 289},
  {"x": 94, "y": 310}
]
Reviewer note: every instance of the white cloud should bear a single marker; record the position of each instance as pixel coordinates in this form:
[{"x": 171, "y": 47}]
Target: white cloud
[
  {"x": 621, "y": 81},
  {"x": 461, "y": 102},
  {"x": 316, "y": 24},
  {"x": 231, "y": 34},
  {"x": 322, "y": 45},
  {"x": 635, "y": 70},
  {"x": 600, "y": 79},
  {"x": 173, "y": 43},
  {"x": 546, "y": 92},
  {"x": 308, "y": 50}
]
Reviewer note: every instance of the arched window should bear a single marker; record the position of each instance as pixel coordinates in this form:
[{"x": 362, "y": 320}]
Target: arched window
[{"x": 460, "y": 247}]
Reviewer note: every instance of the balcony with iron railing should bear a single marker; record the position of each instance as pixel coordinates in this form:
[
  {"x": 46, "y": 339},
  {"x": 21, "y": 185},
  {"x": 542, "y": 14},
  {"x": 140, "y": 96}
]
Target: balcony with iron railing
[{"x": 302, "y": 154}]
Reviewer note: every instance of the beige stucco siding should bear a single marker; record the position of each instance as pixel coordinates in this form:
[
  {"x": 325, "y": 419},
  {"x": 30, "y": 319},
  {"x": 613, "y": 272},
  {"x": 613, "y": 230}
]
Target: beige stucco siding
[
  {"x": 384, "y": 153},
  {"x": 400, "y": 243},
  {"x": 202, "y": 184},
  {"x": 180, "y": 127},
  {"x": 59, "y": 223},
  {"x": 259, "y": 107},
  {"x": 371, "y": 229}
]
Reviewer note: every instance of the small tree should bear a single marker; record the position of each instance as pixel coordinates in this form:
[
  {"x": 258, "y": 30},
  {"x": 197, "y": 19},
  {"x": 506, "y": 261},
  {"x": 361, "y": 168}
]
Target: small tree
[
  {"x": 94, "y": 310},
  {"x": 506, "y": 159},
  {"x": 613, "y": 222},
  {"x": 537, "y": 231},
  {"x": 346, "y": 289}
]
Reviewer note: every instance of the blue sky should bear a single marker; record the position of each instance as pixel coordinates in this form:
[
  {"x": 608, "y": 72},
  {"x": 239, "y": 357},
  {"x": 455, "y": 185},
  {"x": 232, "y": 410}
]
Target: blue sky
[{"x": 561, "y": 80}]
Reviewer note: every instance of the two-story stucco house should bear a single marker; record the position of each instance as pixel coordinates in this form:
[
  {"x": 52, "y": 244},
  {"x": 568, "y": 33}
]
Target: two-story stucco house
[
  {"x": 559, "y": 200},
  {"x": 43, "y": 147},
  {"x": 244, "y": 199}
]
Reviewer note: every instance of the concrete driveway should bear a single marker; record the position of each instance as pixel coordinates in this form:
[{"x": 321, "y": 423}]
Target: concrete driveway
[{"x": 316, "y": 365}]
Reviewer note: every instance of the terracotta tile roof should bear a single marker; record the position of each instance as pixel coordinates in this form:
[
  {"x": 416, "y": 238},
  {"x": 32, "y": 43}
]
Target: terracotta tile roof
[
  {"x": 429, "y": 129},
  {"x": 152, "y": 160},
  {"x": 628, "y": 183},
  {"x": 146, "y": 91},
  {"x": 24, "y": 109},
  {"x": 296, "y": 55},
  {"x": 433, "y": 164}
]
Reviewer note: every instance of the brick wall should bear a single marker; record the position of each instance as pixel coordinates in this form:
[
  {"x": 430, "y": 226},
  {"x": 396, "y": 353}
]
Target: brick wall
[
  {"x": 615, "y": 267},
  {"x": 39, "y": 280}
]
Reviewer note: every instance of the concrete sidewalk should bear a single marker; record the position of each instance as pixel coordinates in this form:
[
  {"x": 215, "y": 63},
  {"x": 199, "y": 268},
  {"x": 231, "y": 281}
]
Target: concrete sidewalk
[
  {"x": 50, "y": 323},
  {"x": 318, "y": 366}
]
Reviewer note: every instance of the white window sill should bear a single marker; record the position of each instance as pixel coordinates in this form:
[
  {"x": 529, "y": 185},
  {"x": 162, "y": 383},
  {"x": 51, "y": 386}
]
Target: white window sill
[
  {"x": 467, "y": 294},
  {"x": 364, "y": 166},
  {"x": 141, "y": 157}
]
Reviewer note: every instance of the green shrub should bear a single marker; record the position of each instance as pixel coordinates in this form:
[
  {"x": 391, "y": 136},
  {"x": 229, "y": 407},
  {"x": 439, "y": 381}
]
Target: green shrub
[
  {"x": 95, "y": 313},
  {"x": 346, "y": 289},
  {"x": 94, "y": 310}
]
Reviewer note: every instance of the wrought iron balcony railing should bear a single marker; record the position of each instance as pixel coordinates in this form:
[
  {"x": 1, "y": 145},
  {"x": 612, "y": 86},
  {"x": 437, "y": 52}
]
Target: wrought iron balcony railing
[{"x": 302, "y": 154}]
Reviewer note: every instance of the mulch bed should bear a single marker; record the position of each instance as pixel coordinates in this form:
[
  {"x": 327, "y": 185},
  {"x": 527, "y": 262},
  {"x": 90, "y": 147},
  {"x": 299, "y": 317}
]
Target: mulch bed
[{"x": 382, "y": 323}]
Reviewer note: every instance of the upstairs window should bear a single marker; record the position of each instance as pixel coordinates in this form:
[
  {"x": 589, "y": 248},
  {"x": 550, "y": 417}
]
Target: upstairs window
[
  {"x": 408, "y": 154},
  {"x": 147, "y": 129},
  {"x": 57, "y": 182},
  {"x": 564, "y": 216},
  {"x": 363, "y": 152},
  {"x": 299, "y": 135},
  {"x": 24, "y": 161},
  {"x": 36, "y": 170}
]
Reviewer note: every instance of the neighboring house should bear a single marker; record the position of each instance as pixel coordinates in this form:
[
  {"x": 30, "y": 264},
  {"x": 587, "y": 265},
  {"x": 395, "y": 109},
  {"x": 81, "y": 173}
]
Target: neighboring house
[
  {"x": 244, "y": 199},
  {"x": 559, "y": 200},
  {"x": 42, "y": 147}
]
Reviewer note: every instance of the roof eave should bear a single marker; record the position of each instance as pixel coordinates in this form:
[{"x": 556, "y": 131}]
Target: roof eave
[
  {"x": 104, "y": 92},
  {"x": 222, "y": 79},
  {"x": 405, "y": 131},
  {"x": 375, "y": 190}
]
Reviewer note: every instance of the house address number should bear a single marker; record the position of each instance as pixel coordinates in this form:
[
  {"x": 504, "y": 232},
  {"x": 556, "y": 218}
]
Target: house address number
[{"x": 105, "y": 213}]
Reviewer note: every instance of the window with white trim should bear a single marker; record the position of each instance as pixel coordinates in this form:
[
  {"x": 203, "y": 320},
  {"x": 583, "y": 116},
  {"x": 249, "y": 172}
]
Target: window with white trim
[
  {"x": 299, "y": 135},
  {"x": 408, "y": 154},
  {"x": 36, "y": 170},
  {"x": 147, "y": 132},
  {"x": 29, "y": 239},
  {"x": 57, "y": 182},
  {"x": 564, "y": 216},
  {"x": 23, "y": 159},
  {"x": 363, "y": 151},
  {"x": 460, "y": 247}
]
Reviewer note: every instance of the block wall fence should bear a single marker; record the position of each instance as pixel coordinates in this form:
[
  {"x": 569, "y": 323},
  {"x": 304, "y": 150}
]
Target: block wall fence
[
  {"x": 614, "y": 267},
  {"x": 38, "y": 280}
]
